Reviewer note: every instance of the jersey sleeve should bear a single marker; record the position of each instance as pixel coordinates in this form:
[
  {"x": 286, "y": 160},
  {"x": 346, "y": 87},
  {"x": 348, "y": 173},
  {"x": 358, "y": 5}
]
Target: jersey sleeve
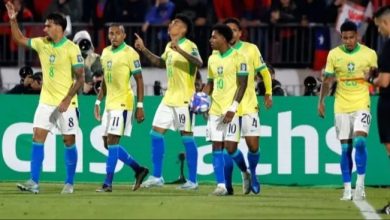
[
  {"x": 373, "y": 59},
  {"x": 35, "y": 43},
  {"x": 210, "y": 73},
  {"x": 241, "y": 65},
  {"x": 259, "y": 63},
  {"x": 329, "y": 68},
  {"x": 76, "y": 58},
  {"x": 135, "y": 63}
]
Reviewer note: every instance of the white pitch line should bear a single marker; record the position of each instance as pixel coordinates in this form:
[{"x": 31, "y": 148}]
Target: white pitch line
[{"x": 366, "y": 209}]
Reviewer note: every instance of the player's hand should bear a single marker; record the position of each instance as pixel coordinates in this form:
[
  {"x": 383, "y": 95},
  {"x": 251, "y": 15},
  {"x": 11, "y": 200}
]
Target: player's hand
[
  {"x": 140, "y": 115},
  {"x": 96, "y": 112},
  {"x": 371, "y": 73},
  {"x": 11, "y": 10},
  {"x": 64, "y": 105},
  {"x": 268, "y": 101},
  {"x": 321, "y": 110},
  {"x": 139, "y": 43},
  {"x": 228, "y": 117}
]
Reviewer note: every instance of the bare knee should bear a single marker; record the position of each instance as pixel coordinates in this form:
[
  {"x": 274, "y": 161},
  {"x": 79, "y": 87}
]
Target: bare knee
[{"x": 69, "y": 140}]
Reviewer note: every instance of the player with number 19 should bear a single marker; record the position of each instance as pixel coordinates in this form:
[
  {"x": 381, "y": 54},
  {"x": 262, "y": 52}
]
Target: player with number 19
[{"x": 347, "y": 64}]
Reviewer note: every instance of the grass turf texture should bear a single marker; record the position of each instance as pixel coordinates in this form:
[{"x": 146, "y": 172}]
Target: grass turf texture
[{"x": 275, "y": 202}]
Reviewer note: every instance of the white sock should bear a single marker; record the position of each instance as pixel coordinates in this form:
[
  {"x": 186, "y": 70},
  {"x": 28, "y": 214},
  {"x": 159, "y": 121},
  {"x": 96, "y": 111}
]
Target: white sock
[
  {"x": 347, "y": 186},
  {"x": 222, "y": 185},
  {"x": 360, "y": 179}
]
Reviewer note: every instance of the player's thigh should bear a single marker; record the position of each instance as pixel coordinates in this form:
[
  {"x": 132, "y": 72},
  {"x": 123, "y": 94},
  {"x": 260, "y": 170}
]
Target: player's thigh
[
  {"x": 184, "y": 120},
  {"x": 362, "y": 121},
  {"x": 164, "y": 117},
  {"x": 215, "y": 128},
  {"x": 105, "y": 123},
  {"x": 68, "y": 121},
  {"x": 45, "y": 117},
  {"x": 250, "y": 125},
  {"x": 232, "y": 131},
  {"x": 344, "y": 126},
  {"x": 119, "y": 122}
]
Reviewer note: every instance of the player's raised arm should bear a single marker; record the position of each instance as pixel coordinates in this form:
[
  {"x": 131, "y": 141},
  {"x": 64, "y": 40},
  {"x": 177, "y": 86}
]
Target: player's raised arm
[
  {"x": 193, "y": 58},
  {"x": 15, "y": 30},
  {"x": 153, "y": 58}
]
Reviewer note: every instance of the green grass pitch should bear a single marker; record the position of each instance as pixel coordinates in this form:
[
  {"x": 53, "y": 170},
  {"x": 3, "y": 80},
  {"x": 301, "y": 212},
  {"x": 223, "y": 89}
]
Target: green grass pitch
[{"x": 274, "y": 202}]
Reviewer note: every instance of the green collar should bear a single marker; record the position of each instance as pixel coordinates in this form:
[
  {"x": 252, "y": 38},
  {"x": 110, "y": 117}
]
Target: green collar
[
  {"x": 356, "y": 49},
  {"x": 238, "y": 45},
  {"x": 119, "y": 48},
  {"x": 181, "y": 40},
  {"x": 227, "y": 53},
  {"x": 59, "y": 43}
]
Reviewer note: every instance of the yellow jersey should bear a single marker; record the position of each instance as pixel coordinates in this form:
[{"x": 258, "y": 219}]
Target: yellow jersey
[
  {"x": 57, "y": 62},
  {"x": 348, "y": 67},
  {"x": 181, "y": 74},
  {"x": 256, "y": 64},
  {"x": 119, "y": 65},
  {"x": 223, "y": 69}
]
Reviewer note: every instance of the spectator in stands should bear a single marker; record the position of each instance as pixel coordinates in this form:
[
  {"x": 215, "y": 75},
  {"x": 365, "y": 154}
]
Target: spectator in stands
[
  {"x": 227, "y": 9},
  {"x": 159, "y": 14},
  {"x": 39, "y": 9},
  {"x": 196, "y": 10},
  {"x": 254, "y": 12},
  {"x": 277, "y": 89},
  {"x": 73, "y": 8},
  {"x": 284, "y": 11},
  {"x": 130, "y": 10},
  {"x": 29, "y": 83},
  {"x": 311, "y": 11},
  {"x": 92, "y": 65},
  {"x": 311, "y": 88}
]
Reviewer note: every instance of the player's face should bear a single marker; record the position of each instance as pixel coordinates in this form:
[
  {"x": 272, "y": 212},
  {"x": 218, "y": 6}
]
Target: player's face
[
  {"x": 217, "y": 40},
  {"x": 52, "y": 30},
  {"x": 176, "y": 27},
  {"x": 116, "y": 35},
  {"x": 383, "y": 26},
  {"x": 236, "y": 32},
  {"x": 349, "y": 39}
]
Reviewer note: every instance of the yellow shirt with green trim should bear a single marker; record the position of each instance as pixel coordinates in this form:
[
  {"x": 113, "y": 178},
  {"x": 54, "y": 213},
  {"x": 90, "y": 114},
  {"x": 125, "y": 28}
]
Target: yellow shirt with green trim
[
  {"x": 256, "y": 64},
  {"x": 223, "y": 69},
  {"x": 180, "y": 73},
  {"x": 348, "y": 67},
  {"x": 57, "y": 62},
  {"x": 119, "y": 65}
]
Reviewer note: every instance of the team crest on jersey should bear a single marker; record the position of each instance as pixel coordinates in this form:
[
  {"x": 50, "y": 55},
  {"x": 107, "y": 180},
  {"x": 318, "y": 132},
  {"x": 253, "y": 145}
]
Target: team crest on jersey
[
  {"x": 351, "y": 67},
  {"x": 243, "y": 67},
  {"x": 80, "y": 59},
  {"x": 220, "y": 70},
  {"x": 109, "y": 64},
  {"x": 137, "y": 64},
  {"x": 52, "y": 58}
]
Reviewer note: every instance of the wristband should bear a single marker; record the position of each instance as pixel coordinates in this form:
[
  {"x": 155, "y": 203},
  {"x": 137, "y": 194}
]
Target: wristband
[
  {"x": 97, "y": 102},
  {"x": 234, "y": 106},
  {"x": 140, "y": 105}
]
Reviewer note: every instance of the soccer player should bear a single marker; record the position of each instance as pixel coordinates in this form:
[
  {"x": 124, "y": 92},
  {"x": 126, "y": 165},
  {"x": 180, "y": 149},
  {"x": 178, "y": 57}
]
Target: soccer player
[
  {"x": 346, "y": 64},
  {"x": 227, "y": 82},
  {"x": 181, "y": 59},
  {"x": 60, "y": 58},
  {"x": 248, "y": 111},
  {"x": 120, "y": 62}
]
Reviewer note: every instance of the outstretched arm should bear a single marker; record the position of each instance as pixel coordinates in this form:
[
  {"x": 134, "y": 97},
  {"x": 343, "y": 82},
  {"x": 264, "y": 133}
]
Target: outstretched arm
[
  {"x": 17, "y": 35},
  {"x": 153, "y": 58}
]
